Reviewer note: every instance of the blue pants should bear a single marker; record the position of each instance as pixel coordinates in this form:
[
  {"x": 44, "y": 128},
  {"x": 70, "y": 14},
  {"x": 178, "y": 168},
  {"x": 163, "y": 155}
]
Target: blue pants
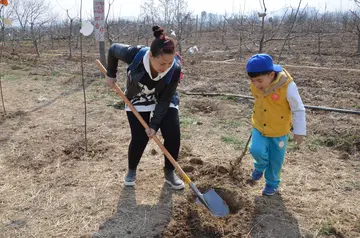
[{"x": 268, "y": 153}]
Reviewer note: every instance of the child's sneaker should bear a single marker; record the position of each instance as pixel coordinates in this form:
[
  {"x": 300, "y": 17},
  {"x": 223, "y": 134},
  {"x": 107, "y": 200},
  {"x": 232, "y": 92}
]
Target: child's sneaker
[
  {"x": 256, "y": 175},
  {"x": 130, "y": 177},
  {"x": 269, "y": 190}
]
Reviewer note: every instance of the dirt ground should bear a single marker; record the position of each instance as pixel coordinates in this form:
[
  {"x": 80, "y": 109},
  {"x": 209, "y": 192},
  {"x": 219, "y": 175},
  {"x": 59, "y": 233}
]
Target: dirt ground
[{"x": 50, "y": 186}]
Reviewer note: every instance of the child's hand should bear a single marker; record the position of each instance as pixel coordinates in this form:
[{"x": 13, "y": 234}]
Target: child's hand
[{"x": 298, "y": 139}]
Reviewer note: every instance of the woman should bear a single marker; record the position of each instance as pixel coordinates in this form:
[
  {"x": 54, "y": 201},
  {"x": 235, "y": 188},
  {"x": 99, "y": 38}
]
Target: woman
[{"x": 151, "y": 88}]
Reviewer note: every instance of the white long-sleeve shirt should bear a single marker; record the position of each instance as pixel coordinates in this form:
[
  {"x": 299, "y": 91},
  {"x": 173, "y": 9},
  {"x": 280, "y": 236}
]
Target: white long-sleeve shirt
[
  {"x": 297, "y": 109},
  {"x": 147, "y": 96}
]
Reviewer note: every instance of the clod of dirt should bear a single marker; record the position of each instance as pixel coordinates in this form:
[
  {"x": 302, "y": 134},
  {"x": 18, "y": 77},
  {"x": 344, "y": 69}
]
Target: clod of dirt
[
  {"x": 188, "y": 168},
  {"x": 118, "y": 105},
  {"x": 75, "y": 151},
  {"x": 26, "y": 160},
  {"x": 201, "y": 230},
  {"x": 185, "y": 151},
  {"x": 14, "y": 114},
  {"x": 16, "y": 67},
  {"x": 17, "y": 223},
  {"x": 204, "y": 106},
  {"x": 196, "y": 161},
  {"x": 221, "y": 169},
  {"x": 153, "y": 152},
  {"x": 344, "y": 156}
]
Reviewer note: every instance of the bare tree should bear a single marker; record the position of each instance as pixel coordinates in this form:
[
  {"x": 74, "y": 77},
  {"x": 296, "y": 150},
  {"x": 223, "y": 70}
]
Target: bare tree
[
  {"x": 175, "y": 16},
  {"x": 262, "y": 16},
  {"x": 355, "y": 23},
  {"x": 319, "y": 26},
  {"x": 2, "y": 24},
  {"x": 264, "y": 31},
  {"x": 22, "y": 14},
  {"x": 71, "y": 20},
  {"x": 202, "y": 22},
  {"x": 224, "y": 32},
  {"x": 143, "y": 29},
  {"x": 150, "y": 11},
  {"x": 6, "y": 13},
  {"x": 352, "y": 20},
  {"x": 166, "y": 7},
  {"x": 148, "y": 18},
  {"x": 34, "y": 14},
  {"x": 107, "y": 25},
  {"x": 115, "y": 28},
  {"x": 267, "y": 32},
  {"x": 83, "y": 79},
  {"x": 237, "y": 24},
  {"x": 51, "y": 31},
  {"x": 292, "y": 24},
  {"x": 181, "y": 19}
]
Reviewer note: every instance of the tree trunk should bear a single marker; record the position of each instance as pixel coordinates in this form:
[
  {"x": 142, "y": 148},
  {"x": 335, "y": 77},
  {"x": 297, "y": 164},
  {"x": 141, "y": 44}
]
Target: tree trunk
[
  {"x": 2, "y": 46},
  {"x": 108, "y": 34},
  {"x": 52, "y": 39},
  {"x": 240, "y": 43},
  {"x": 36, "y": 47},
  {"x": 319, "y": 43},
  {"x": 196, "y": 28},
  {"x": 224, "y": 32},
  {"x": 102, "y": 52},
  {"x": 3, "y": 33},
  {"x": 33, "y": 36},
  {"x": 358, "y": 51},
  {"x": 70, "y": 38},
  {"x": 179, "y": 36},
  {"x": 77, "y": 41},
  {"x": 39, "y": 32},
  {"x": 261, "y": 46},
  {"x": 289, "y": 45}
]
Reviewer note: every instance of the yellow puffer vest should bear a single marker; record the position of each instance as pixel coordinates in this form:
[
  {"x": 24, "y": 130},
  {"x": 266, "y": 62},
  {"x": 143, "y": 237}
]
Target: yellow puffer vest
[{"x": 272, "y": 115}]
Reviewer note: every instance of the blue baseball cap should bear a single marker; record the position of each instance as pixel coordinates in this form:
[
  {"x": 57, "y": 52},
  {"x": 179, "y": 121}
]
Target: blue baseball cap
[{"x": 262, "y": 63}]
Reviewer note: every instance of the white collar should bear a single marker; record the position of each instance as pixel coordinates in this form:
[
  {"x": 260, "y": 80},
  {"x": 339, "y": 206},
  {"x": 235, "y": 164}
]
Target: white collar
[{"x": 146, "y": 62}]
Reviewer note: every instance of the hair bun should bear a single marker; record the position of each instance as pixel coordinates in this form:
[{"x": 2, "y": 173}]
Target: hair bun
[
  {"x": 158, "y": 31},
  {"x": 155, "y": 28}
]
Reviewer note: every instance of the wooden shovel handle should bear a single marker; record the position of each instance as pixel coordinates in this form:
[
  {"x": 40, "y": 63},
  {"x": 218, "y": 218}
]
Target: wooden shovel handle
[{"x": 145, "y": 125}]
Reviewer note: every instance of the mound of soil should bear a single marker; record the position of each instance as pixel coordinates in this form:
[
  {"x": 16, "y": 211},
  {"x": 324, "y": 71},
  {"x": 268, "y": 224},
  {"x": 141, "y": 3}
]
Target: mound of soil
[{"x": 191, "y": 219}]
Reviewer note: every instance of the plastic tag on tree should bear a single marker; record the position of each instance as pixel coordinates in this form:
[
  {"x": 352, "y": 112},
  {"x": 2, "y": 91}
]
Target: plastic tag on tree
[{"x": 86, "y": 28}]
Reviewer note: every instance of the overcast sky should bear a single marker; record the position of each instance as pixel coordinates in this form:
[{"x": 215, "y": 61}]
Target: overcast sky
[{"x": 132, "y": 7}]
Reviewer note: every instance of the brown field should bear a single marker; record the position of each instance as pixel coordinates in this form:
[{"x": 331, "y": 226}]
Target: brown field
[{"x": 51, "y": 187}]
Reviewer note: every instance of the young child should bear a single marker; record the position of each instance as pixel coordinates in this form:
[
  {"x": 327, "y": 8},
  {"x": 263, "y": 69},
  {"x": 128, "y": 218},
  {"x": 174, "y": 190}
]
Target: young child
[{"x": 277, "y": 107}]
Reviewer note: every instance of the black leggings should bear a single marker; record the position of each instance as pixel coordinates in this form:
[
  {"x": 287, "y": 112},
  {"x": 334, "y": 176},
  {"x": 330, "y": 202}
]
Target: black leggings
[{"x": 170, "y": 130}]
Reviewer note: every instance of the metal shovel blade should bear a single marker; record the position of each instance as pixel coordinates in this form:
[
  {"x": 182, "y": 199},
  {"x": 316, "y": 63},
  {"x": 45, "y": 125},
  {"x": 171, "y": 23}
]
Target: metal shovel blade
[{"x": 212, "y": 201}]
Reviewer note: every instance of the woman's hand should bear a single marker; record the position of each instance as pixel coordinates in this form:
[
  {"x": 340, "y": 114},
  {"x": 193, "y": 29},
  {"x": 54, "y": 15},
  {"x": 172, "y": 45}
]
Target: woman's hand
[
  {"x": 150, "y": 132},
  {"x": 110, "y": 81}
]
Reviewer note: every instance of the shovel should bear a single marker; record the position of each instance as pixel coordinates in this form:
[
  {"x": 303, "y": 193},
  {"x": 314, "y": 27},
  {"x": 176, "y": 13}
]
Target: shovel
[{"x": 211, "y": 200}]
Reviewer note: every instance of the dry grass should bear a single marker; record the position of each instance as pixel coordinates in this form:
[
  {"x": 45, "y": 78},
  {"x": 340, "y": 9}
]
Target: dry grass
[{"x": 51, "y": 187}]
